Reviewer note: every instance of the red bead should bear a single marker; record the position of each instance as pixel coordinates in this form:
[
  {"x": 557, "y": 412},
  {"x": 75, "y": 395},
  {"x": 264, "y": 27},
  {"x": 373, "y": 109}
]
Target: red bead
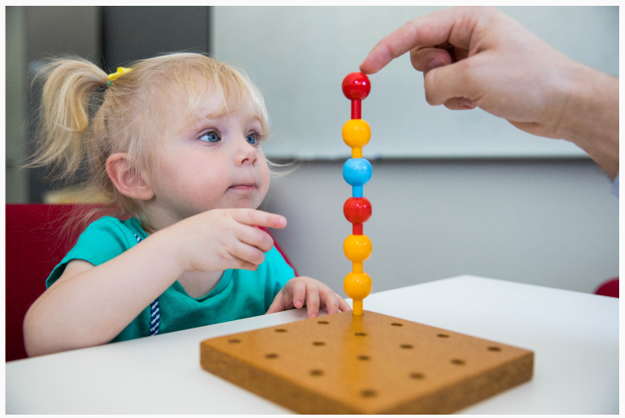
[
  {"x": 356, "y": 86},
  {"x": 357, "y": 210}
]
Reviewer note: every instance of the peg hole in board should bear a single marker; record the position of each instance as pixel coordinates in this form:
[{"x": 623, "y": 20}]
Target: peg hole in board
[
  {"x": 458, "y": 362},
  {"x": 406, "y": 346},
  {"x": 234, "y": 341},
  {"x": 318, "y": 343},
  {"x": 397, "y": 324},
  {"x": 316, "y": 372},
  {"x": 494, "y": 349},
  {"x": 360, "y": 334},
  {"x": 368, "y": 393},
  {"x": 271, "y": 356},
  {"x": 363, "y": 358},
  {"x": 417, "y": 376},
  {"x": 281, "y": 330},
  {"x": 323, "y": 322},
  {"x": 443, "y": 336}
]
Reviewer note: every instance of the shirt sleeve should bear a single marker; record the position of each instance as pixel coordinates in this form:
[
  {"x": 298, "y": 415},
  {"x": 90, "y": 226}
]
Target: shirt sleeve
[
  {"x": 615, "y": 187},
  {"x": 102, "y": 241}
]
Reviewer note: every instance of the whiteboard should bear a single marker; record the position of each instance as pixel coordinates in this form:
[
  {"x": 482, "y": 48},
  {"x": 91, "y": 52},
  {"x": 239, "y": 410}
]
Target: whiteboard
[{"x": 298, "y": 56}]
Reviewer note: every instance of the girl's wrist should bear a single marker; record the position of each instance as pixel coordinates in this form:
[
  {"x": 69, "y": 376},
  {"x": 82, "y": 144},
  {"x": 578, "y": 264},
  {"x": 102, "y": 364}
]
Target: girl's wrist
[{"x": 171, "y": 238}]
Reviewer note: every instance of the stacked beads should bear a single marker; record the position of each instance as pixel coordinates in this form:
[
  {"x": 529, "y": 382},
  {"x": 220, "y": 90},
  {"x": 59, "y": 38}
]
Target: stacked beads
[{"x": 357, "y": 209}]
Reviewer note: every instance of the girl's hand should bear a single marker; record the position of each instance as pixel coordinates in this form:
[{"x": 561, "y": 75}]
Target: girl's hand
[
  {"x": 301, "y": 291},
  {"x": 221, "y": 239}
]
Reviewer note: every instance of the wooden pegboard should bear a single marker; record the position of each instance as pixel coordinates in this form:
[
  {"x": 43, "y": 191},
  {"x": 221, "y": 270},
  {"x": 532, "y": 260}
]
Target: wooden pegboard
[{"x": 342, "y": 364}]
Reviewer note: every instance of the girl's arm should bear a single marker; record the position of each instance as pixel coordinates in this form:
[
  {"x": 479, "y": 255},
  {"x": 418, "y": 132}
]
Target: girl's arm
[{"x": 89, "y": 305}]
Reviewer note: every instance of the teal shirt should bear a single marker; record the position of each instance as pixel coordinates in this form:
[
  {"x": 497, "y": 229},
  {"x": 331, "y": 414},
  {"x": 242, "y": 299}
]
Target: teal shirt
[{"x": 239, "y": 293}]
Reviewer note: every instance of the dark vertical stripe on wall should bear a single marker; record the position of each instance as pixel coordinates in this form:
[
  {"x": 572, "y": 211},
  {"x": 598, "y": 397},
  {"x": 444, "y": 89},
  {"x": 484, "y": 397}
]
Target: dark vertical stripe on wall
[
  {"x": 100, "y": 61},
  {"x": 138, "y": 32},
  {"x": 54, "y": 31},
  {"x": 209, "y": 30}
]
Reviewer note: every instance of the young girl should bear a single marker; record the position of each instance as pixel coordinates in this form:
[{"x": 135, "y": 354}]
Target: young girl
[{"x": 175, "y": 143}]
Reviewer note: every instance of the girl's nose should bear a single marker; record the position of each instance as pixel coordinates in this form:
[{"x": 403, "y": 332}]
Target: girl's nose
[{"x": 246, "y": 153}]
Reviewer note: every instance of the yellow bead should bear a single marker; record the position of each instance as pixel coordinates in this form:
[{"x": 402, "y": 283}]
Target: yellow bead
[
  {"x": 357, "y": 285},
  {"x": 357, "y": 248},
  {"x": 356, "y": 133}
]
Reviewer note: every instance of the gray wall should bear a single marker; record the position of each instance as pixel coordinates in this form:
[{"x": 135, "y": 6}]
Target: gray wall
[
  {"x": 551, "y": 223},
  {"x": 16, "y": 103}
]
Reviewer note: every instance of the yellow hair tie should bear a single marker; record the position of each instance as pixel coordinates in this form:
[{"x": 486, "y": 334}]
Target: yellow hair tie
[{"x": 120, "y": 71}]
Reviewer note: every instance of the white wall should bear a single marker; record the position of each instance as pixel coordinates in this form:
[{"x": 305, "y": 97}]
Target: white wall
[{"x": 552, "y": 223}]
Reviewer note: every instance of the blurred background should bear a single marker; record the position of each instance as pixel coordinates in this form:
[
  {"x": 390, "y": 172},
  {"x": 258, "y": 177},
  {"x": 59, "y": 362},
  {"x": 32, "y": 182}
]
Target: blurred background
[{"x": 452, "y": 192}]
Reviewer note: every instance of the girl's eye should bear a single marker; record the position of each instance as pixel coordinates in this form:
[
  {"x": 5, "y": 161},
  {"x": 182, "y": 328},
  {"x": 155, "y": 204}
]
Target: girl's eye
[
  {"x": 210, "y": 137},
  {"x": 252, "y": 139}
]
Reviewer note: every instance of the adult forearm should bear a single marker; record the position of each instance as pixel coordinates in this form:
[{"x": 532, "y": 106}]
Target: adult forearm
[
  {"x": 93, "y": 307},
  {"x": 591, "y": 117}
]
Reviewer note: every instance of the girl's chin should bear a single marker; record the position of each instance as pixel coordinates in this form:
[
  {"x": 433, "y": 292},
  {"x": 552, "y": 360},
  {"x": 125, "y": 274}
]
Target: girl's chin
[{"x": 244, "y": 203}]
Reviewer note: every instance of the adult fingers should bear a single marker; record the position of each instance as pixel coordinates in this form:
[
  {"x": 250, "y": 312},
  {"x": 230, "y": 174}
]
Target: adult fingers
[
  {"x": 451, "y": 25},
  {"x": 426, "y": 59},
  {"x": 255, "y": 217},
  {"x": 459, "y": 103},
  {"x": 460, "y": 53},
  {"x": 458, "y": 80},
  {"x": 312, "y": 301}
]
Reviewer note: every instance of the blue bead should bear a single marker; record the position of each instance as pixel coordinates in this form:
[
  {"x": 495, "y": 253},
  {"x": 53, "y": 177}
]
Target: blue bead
[
  {"x": 357, "y": 171},
  {"x": 356, "y": 191}
]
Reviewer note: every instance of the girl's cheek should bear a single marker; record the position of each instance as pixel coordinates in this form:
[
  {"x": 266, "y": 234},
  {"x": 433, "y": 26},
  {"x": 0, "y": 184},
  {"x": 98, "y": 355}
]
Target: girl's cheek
[
  {"x": 264, "y": 168},
  {"x": 266, "y": 180}
]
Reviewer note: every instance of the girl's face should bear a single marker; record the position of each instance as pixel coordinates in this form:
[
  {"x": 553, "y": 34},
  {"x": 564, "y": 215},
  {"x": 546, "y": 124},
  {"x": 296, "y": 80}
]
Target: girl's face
[{"x": 209, "y": 163}]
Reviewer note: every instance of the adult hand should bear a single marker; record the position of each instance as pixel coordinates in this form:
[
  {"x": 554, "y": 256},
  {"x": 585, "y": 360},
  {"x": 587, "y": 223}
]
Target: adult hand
[{"x": 478, "y": 56}]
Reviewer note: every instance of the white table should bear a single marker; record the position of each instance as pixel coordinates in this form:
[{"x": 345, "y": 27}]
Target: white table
[{"x": 575, "y": 338}]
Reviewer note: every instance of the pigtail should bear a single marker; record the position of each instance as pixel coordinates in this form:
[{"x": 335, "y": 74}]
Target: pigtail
[{"x": 64, "y": 122}]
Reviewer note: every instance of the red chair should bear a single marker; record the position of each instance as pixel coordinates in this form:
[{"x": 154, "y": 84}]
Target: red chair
[
  {"x": 608, "y": 288},
  {"x": 34, "y": 245}
]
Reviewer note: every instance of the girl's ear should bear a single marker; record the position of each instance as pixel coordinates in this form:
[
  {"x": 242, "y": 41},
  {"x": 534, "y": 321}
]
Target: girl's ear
[{"x": 127, "y": 179}]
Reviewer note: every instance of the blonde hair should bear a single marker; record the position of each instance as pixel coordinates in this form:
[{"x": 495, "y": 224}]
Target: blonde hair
[{"x": 84, "y": 122}]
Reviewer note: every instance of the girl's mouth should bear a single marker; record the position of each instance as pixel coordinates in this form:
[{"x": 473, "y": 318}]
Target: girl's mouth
[{"x": 243, "y": 187}]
